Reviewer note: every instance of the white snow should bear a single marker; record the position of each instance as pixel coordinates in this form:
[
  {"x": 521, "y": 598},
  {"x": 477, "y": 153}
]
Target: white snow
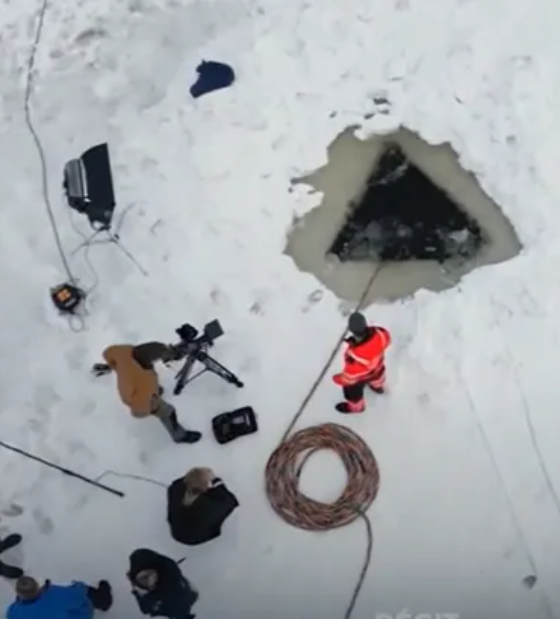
[{"x": 467, "y": 438}]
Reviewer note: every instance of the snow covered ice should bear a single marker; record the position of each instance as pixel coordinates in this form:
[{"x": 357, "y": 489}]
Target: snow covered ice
[{"x": 466, "y": 438}]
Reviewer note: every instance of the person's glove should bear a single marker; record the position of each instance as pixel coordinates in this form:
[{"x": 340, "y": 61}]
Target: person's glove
[
  {"x": 339, "y": 379},
  {"x": 100, "y": 369}
]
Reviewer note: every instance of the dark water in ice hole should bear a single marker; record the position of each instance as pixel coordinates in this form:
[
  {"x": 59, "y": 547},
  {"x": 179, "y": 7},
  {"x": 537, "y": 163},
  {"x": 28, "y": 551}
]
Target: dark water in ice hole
[{"x": 363, "y": 222}]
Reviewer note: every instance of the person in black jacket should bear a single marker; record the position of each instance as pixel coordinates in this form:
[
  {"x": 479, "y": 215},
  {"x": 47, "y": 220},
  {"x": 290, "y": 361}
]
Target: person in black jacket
[
  {"x": 197, "y": 506},
  {"x": 159, "y": 586}
]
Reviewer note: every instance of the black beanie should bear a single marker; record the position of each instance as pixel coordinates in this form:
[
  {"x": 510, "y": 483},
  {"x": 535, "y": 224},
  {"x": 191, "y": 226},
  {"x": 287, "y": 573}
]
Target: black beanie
[{"x": 357, "y": 324}]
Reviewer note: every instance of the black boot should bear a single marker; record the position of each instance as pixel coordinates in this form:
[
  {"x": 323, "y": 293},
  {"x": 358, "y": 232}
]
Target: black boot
[
  {"x": 10, "y": 572},
  {"x": 6, "y": 570},
  {"x": 10, "y": 541},
  {"x": 177, "y": 432},
  {"x": 347, "y": 408}
]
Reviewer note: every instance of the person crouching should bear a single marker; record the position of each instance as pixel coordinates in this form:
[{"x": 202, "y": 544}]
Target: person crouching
[
  {"x": 159, "y": 586},
  {"x": 139, "y": 387},
  {"x": 197, "y": 506},
  {"x": 77, "y": 600}
]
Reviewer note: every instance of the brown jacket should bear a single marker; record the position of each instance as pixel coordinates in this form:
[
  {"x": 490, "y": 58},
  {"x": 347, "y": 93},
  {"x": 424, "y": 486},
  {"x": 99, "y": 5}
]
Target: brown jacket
[{"x": 138, "y": 386}]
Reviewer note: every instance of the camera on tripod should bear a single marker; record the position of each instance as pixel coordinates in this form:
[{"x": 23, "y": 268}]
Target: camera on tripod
[
  {"x": 189, "y": 334},
  {"x": 194, "y": 348}
]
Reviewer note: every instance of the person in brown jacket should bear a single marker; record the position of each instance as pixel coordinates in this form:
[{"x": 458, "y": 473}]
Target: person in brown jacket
[{"x": 138, "y": 384}]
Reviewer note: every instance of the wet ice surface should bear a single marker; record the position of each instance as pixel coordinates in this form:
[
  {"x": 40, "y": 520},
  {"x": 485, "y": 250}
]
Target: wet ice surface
[{"x": 467, "y": 508}]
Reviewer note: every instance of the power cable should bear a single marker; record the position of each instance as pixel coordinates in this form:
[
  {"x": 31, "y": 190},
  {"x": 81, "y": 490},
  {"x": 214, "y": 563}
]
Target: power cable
[
  {"x": 42, "y": 158},
  {"x": 76, "y": 321},
  {"x": 116, "y": 474}
]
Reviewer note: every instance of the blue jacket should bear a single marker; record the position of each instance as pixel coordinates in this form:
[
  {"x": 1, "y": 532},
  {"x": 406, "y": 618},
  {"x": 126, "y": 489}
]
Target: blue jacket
[{"x": 55, "y": 602}]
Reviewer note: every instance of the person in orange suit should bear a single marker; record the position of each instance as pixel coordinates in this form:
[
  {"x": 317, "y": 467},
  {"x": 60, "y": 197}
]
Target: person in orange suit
[{"x": 364, "y": 363}]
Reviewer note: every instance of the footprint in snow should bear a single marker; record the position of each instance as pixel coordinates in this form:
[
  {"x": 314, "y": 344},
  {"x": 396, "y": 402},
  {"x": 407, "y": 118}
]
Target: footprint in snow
[
  {"x": 312, "y": 299},
  {"x": 529, "y": 581},
  {"x": 256, "y": 309},
  {"x": 44, "y": 524},
  {"x": 79, "y": 448},
  {"x": 46, "y": 397},
  {"x": 13, "y": 510}
]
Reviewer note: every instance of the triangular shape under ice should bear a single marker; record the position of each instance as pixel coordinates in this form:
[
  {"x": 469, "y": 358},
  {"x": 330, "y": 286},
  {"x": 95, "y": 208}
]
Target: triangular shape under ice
[{"x": 402, "y": 215}]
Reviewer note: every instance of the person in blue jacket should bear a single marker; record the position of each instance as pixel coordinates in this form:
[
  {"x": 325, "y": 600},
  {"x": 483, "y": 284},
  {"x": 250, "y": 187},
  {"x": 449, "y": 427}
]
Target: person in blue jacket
[{"x": 77, "y": 600}]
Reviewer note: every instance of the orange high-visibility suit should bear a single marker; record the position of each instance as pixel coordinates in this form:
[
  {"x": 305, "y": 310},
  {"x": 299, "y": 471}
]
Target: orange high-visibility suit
[{"x": 364, "y": 365}]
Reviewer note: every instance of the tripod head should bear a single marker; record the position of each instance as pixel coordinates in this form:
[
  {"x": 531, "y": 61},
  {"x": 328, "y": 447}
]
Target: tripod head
[{"x": 190, "y": 340}]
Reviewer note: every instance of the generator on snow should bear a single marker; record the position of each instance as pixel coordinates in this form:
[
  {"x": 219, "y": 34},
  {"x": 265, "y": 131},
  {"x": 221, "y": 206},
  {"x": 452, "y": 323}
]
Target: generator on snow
[{"x": 88, "y": 186}]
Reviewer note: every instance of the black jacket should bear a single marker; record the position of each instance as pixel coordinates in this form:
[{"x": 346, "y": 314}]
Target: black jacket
[
  {"x": 148, "y": 353},
  {"x": 173, "y": 596},
  {"x": 203, "y": 519}
]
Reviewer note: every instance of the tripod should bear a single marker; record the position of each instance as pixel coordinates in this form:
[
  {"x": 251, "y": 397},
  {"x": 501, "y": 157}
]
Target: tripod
[
  {"x": 111, "y": 237},
  {"x": 199, "y": 353}
]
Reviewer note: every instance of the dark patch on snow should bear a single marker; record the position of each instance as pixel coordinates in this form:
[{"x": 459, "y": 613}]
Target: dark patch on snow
[{"x": 530, "y": 581}]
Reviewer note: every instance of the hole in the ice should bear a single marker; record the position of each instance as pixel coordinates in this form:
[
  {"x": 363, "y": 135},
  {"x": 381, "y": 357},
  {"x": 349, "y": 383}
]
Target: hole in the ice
[
  {"x": 402, "y": 215},
  {"x": 398, "y": 202}
]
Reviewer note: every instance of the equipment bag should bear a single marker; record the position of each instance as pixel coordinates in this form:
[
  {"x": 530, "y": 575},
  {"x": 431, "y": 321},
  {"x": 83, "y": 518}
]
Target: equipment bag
[{"x": 233, "y": 424}]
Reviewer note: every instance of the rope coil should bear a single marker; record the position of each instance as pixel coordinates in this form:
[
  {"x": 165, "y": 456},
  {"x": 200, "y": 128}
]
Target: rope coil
[
  {"x": 283, "y": 472},
  {"x": 286, "y": 463}
]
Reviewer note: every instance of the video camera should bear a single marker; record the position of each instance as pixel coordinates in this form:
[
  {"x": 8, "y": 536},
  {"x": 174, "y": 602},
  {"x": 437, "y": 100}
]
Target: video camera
[
  {"x": 190, "y": 337},
  {"x": 194, "y": 348}
]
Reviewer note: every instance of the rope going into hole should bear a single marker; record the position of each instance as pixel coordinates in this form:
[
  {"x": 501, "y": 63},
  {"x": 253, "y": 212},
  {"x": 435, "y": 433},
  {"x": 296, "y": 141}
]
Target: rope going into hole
[{"x": 284, "y": 467}]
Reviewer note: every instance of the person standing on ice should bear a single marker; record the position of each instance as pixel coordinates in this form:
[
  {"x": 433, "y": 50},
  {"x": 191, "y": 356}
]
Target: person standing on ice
[
  {"x": 77, "y": 600},
  {"x": 138, "y": 384},
  {"x": 364, "y": 363}
]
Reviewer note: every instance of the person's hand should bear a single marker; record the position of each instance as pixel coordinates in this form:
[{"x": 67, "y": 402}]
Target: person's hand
[{"x": 207, "y": 475}]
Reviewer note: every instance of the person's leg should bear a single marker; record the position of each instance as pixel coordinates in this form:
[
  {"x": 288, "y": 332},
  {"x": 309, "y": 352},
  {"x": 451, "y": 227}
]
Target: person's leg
[
  {"x": 354, "y": 399},
  {"x": 378, "y": 380},
  {"x": 167, "y": 415},
  {"x": 189, "y": 597},
  {"x": 10, "y": 572},
  {"x": 10, "y": 541},
  {"x": 7, "y": 570},
  {"x": 101, "y": 597}
]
